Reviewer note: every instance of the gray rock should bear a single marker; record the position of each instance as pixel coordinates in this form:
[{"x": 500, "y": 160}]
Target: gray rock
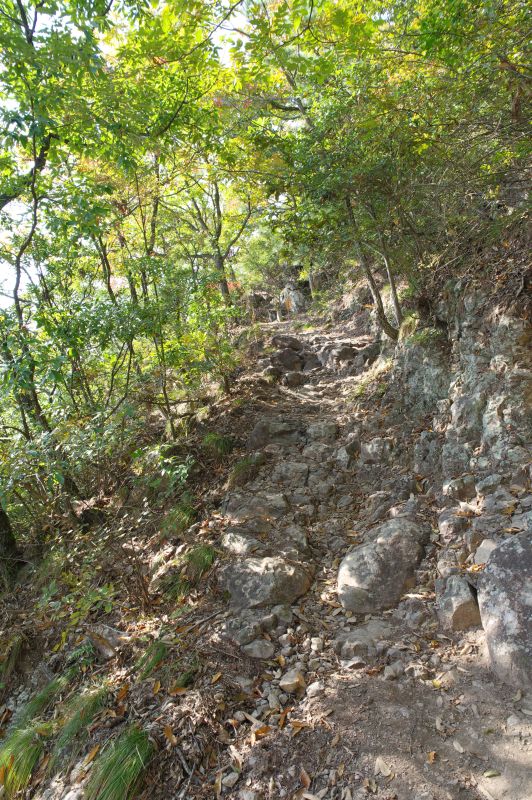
[
  {"x": 375, "y": 574},
  {"x": 484, "y": 551},
  {"x": 292, "y": 681},
  {"x": 288, "y": 360},
  {"x": 376, "y": 451},
  {"x": 322, "y": 432},
  {"x": 283, "y": 432},
  {"x": 505, "y": 600},
  {"x": 259, "y": 648},
  {"x": 283, "y": 341},
  {"x": 457, "y": 606},
  {"x": 256, "y": 582}
]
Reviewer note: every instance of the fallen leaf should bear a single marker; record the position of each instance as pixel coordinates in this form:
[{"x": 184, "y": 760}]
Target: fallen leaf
[
  {"x": 156, "y": 687},
  {"x": 432, "y": 756},
  {"x": 457, "y": 746},
  {"x": 177, "y": 690},
  {"x": 370, "y": 785},
  {"x": 260, "y": 733},
  {"x": 91, "y": 755},
  {"x": 382, "y": 768},
  {"x": 305, "y": 778},
  {"x": 2, "y": 775},
  {"x": 491, "y": 773},
  {"x": 170, "y": 736},
  {"x": 122, "y": 692},
  {"x": 216, "y": 678},
  {"x": 335, "y": 740}
]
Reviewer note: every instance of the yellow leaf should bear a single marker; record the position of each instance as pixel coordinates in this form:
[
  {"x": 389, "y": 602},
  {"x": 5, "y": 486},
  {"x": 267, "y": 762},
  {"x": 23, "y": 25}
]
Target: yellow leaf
[
  {"x": 177, "y": 690},
  {"x": 169, "y": 735},
  {"x": 305, "y": 778},
  {"x": 91, "y": 755},
  {"x": 122, "y": 692},
  {"x": 298, "y": 726},
  {"x": 281, "y": 660},
  {"x": 216, "y": 678},
  {"x": 156, "y": 687},
  {"x": 431, "y": 757},
  {"x": 261, "y": 732}
]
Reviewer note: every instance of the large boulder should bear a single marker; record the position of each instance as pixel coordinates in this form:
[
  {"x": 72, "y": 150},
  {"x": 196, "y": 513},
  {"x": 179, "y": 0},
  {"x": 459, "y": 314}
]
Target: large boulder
[
  {"x": 256, "y": 582},
  {"x": 284, "y": 432},
  {"x": 505, "y": 601},
  {"x": 375, "y": 575},
  {"x": 456, "y": 604},
  {"x": 282, "y": 341}
]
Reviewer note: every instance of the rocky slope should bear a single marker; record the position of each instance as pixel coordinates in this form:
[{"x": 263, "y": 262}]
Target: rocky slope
[
  {"x": 380, "y": 564},
  {"x": 366, "y": 628}
]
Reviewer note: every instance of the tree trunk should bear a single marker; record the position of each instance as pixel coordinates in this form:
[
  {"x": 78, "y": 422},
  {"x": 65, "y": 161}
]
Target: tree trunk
[
  {"x": 9, "y": 552},
  {"x": 222, "y": 278},
  {"x": 386, "y": 326}
]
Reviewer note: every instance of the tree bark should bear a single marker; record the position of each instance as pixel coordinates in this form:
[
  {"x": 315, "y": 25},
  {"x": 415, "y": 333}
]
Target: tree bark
[
  {"x": 386, "y": 326},
  {"x": 9, "y": 552}
]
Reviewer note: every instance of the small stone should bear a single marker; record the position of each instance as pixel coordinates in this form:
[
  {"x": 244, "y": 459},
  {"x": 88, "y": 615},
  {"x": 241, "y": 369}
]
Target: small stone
[
  {"x": 457, "y": 607},
  {"x": 292, "y": 681},
  {"x": 259, "y": 648},
  {"x": 316, "y": 644},
  {"x": 393, "y": 671},
  {"x": 231, "y": 780},
  {"x": 484, "y": 551},
  {"x": 315, "y": 688}
]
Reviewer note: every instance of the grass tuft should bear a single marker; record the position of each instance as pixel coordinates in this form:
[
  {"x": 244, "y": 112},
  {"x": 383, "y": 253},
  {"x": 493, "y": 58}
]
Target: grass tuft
[
  {"x": 220, "y": 446},
  {"x": 150, "y": 660},
  {"x": 78, "y": 714},
  {"x": 193, "y": 566},
  {"x": 19, "y": 755},
  {"x": 11, "y": 656},
  {"x": 118, "y": 771}
]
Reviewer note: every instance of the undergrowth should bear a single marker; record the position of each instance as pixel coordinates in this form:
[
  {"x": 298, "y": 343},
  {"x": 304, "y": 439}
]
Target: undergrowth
[
  {"x": 118, "y": 771},
  {"x": 152, "y": 658},
  {"x": 194, "y": 565},
  {"x": 78, "y": 713}
]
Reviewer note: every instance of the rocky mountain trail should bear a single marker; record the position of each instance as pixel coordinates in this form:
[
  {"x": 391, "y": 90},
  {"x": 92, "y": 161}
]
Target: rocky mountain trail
[{"x": 365, "y": 628}]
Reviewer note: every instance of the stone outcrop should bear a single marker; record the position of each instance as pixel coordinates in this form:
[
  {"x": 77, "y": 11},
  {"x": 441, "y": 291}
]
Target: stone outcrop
[
  {"x": 505, "y": 600},
  {"x": 374, "y": 575}
]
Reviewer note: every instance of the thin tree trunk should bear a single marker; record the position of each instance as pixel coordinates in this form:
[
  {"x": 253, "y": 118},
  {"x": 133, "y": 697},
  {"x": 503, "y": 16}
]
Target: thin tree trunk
[
  {"x": 386, "y": 326},
  {"x": 9, "y": 552}
]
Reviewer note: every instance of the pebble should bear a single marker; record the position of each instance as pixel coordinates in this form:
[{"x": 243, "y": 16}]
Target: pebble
[
  {"x": 260, "y": 648},
  {"x": 231, "y": 779},
  {"x": 393, "y": 671},
  {"x": 292, "y": 681},
  {"x": 315, "y": 688}
]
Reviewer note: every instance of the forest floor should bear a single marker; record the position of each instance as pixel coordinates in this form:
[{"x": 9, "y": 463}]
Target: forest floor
[{"x": 408, "y": 714}]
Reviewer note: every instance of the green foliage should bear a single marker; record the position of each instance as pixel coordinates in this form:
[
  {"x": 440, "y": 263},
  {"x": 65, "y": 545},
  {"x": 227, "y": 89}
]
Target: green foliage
[
  {"x": 11, "y": 655},
  {"x": 152, "y": 658},
  {"x": 19, "y": 755},
  {"x": 190, "y": 568},
  {"x": 73, "y": 721},
  {"x": 118, "y": 770},
  {"x": 180, "y": 517},
  {"x": 218, "y": 445}
]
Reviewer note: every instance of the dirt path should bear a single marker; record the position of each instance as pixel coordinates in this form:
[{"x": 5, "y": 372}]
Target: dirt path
[{"x": 336, "y": 704}]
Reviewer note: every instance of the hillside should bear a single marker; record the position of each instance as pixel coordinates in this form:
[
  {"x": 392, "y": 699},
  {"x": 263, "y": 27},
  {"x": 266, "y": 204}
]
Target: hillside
[{"x": 265, "y": 395}]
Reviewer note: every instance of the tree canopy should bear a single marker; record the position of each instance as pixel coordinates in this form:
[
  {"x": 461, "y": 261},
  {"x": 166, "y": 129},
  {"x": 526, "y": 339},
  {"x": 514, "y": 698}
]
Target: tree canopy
[{"x": 160, "y": 158}]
